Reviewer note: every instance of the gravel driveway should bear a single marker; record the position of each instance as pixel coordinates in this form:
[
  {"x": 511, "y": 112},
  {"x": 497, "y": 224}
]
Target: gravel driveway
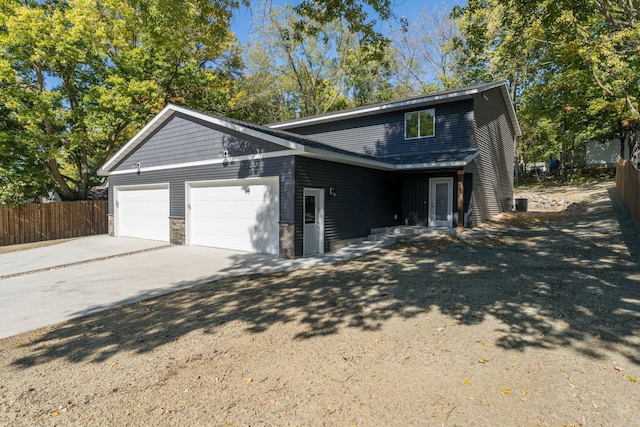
[{"x": 530, "y": 320}]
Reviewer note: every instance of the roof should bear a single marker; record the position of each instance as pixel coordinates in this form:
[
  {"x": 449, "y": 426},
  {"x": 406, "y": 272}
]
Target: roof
[
  {"x": 417, "y": 101},
  {"x": 303, "y": 145}
]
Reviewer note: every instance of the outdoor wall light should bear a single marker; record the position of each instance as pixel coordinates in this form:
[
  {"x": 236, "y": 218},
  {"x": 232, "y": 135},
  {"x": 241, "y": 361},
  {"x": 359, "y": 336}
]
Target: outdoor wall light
[
  {"x": 137, "y": 165},
  {"x": 485, "y": 97},
  {"x": 332, "y": 192},
  {"x": 225, "y": 153}
]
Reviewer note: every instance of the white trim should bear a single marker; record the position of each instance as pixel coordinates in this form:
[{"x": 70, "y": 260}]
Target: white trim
[
  {"x": 379, "y": 108},
  {"x": 217, "y": 161},
  {"x": 433, "y": 165},
  {"x": 190, "y": 185},
  {"x": 511, "y": 110},
  {"x": 432, "y": 196},
  {"x": 168, "y": 111},
  {"x": 222, "y": 182},
  {"x": 310, "y": 152},
  {"x": 133, "y": 187},
  {"x": 137, "y": 187},
  {"x": 433, "y": 116},
  {"x": 319, "y": 193}
]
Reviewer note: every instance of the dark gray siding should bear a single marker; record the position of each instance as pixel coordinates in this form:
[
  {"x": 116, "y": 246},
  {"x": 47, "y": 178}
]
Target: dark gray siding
[
  {"x": 415, "y": 197},
  {"x": 365, "y": 198},
  {"x": 383, "y": 134},
  {"x": 186, "y": 139},
  {"x": 279, "y": 166},
  {"x": 493, "y": 168}
]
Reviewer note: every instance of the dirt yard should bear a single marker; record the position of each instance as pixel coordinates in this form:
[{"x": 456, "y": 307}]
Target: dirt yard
[{"x": 530, "y": 320}]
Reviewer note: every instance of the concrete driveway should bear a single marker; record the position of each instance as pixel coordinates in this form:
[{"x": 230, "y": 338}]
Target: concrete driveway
[{"x": 44, "y": 286}]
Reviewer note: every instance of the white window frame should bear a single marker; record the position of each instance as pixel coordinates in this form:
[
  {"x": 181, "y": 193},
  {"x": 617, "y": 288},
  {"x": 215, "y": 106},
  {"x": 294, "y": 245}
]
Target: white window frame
[{"x": 431, "y": 111}]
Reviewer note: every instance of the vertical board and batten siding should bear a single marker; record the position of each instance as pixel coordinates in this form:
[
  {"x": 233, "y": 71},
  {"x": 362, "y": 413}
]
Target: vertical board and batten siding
[
  {"x": 382, "y": 135},
  {"x": 493, "y": 168},
  {"x": 281, "y": 167},
  {"x": 37, "y": 222},
  {"x": 415, "y": 197},
  {"x": 185, "y": 139},
  {"x": 365, "y": 199}
]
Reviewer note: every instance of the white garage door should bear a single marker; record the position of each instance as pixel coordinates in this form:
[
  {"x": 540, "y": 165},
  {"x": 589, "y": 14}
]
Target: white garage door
[
  {"x": 240, "y": 214},
  {"x": 142, "y": 211}
]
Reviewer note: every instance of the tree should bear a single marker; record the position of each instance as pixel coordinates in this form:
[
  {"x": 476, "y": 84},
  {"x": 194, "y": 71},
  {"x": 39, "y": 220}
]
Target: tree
[
  {"x": 305, "y": 75},
  {"x": 78, "y": 78},
  {"x": 562, "y": 42},
  {"x": 424, "y": 52}
]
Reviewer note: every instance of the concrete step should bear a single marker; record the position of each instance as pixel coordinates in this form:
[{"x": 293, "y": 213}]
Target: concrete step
[
  {"x": 403, "y": 230},
  {"x": 408, "y": 230},
  {"x": 385, "y": 238}
]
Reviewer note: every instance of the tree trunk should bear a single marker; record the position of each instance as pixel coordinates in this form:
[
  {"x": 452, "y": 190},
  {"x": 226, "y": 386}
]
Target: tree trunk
[
  {"x": 563, "y": 164},
  {"x": 634, "y": 147},
  {"x": 621, "y": 137},
  {"x": 65, "y": 192}
]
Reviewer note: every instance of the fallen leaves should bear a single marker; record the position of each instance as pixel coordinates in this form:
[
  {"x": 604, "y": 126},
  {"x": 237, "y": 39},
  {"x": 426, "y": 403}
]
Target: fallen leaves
[
  {"x": 632, "y": 378},
  {"x": 483, "y": 360},
  {"x": 505, "y": 391}
]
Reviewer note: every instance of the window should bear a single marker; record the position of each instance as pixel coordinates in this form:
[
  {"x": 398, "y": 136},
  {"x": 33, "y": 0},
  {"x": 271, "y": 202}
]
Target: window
[{"x": 420, "y": 124}]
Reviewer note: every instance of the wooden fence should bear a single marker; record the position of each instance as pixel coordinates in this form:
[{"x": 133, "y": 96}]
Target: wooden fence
[
  {"x": 628, "y": 184},
  {"x": 49, "y": 221}
]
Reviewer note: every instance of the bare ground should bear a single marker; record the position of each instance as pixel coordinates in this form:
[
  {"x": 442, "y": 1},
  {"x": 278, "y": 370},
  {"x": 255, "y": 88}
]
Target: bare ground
[{"x": 530, "y": 320}]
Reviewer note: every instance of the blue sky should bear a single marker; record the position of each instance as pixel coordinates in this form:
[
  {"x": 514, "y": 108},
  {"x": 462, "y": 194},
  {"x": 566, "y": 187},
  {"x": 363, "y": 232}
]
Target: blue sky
[{"x": 242, "y": 21}]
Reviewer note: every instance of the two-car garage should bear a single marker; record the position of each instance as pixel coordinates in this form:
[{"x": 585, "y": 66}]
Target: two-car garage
[{"x": 240, "y": 214}]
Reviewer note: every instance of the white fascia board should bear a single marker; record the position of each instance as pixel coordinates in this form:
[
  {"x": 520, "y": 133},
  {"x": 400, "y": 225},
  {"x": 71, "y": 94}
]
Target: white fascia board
[
  {"x": 378, "y": 108},
  {"x": 216, "y": 161},
  {"x": 168, "y": 111},
  {"x": 346, "y": 158},
  {"x": 511, "y": 109},
  {"x": 434, "y": 165},
  {"x": 153, "y": 124},
  {"x": 375, "y": 164}
]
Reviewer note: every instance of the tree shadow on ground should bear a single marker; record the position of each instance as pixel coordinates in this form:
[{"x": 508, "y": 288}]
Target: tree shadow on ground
[{"x": 552, "y": 281}]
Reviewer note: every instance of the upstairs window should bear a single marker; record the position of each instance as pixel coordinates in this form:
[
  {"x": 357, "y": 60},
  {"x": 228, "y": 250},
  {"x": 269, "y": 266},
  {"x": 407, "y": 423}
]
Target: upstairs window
[{"x": 420, "y": 124}]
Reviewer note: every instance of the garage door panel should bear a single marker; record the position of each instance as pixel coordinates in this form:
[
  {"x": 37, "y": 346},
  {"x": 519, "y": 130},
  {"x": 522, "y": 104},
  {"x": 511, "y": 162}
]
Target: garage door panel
[
  {"x": 143, "y": 213},
  {"x": 235, "y": 215}
]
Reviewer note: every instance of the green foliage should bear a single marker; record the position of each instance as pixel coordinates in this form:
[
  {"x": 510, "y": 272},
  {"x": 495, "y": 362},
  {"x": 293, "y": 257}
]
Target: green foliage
[
  {"x": 113, "y": 64},
  {"x": 291, "y": 74},
  {"x": 79, "y": 78},
  {"x": 424, "y": 55},
  {"x": 573, "y": 65}
]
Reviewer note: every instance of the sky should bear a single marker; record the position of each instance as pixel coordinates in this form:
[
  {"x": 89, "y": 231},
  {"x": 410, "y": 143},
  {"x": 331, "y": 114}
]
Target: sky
[{"x": 243, "y": 23}]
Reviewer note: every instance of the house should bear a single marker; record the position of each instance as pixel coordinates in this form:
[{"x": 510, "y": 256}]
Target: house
[
  {"x": 301, "y": 187},
  {"x": 603, "y": 154}
]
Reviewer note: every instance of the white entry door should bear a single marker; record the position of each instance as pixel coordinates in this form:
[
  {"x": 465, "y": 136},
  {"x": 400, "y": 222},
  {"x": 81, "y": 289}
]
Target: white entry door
[
  {"x": 313, "y": 221},
  {"x": 441, "y": 202},
  {"x": 238, "y": 214}
]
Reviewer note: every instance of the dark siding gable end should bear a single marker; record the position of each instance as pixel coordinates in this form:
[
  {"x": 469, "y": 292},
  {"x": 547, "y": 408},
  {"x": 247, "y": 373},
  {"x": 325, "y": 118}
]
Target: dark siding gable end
[
  {"x": 382, "y": 135},
  {"x": 185, "y": 139},
  {"x": 493, "y": 168}
]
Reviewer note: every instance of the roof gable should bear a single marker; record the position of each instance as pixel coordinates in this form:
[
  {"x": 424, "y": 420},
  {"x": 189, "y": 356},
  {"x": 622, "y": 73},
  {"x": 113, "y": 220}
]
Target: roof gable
[{"x": 408, "y": 103}]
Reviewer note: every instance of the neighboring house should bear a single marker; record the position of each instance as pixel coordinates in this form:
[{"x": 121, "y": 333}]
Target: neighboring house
[
  {"x": 604, "y": 153},
  {"x": 301, "y": 187}
]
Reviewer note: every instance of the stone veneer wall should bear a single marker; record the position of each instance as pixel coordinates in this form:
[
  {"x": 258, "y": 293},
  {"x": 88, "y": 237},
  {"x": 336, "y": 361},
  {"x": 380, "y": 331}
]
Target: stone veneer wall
[
  {"x": 287, "y": 241},
  {"x": 111, "y": 225},
  {"x": 177, "y": 234}
]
